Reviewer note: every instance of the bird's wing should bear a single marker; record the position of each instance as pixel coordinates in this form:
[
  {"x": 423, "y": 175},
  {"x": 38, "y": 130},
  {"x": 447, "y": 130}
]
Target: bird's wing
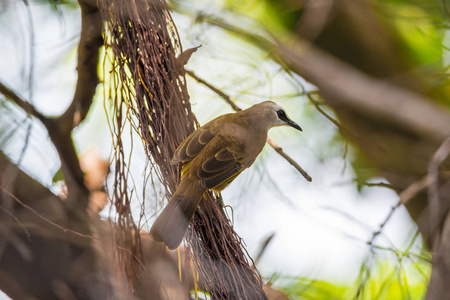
[
  {"x": 193, "y": 144},
  {"x": 223, "y": 156},
  {"x": 221, "y": 168}
]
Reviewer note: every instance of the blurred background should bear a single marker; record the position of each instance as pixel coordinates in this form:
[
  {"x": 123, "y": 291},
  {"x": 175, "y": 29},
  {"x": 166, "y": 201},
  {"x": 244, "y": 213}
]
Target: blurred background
[{"x": 341, "y": 236}]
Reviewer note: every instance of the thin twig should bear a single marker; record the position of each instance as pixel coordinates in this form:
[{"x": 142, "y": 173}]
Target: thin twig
[
  {"x": 264, "y": 245},
  {"x": 409, "y": 193},
  {"x": 314, "y": 102},
  {"x": 416, "y": 187},
  {"x": 215, "y": 90},
  {"x": 378, "y": 184},
  {"x": 30, "y": 79},
  {"x": 45, "y": 219},
  {"x": 17, "y": 220},
  {"x": 412, "y": 190},
  {"x": 381, "y": 226},
  {"x": 26, "y": 142},
  {"x": 277, "y": 148},
  {"x": 289, "y": 159}
]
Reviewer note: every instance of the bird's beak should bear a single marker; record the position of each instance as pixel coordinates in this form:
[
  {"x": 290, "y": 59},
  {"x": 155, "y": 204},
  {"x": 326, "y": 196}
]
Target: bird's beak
[{"x": 293, "y": 124}]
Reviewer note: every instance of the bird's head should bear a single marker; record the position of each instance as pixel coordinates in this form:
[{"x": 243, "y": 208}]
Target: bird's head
[{"x": 274, "y": 115}]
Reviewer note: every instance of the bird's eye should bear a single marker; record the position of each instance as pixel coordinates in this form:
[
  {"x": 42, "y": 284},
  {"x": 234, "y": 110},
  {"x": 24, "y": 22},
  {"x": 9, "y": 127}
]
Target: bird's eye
[{"x": 281, "y": 114}]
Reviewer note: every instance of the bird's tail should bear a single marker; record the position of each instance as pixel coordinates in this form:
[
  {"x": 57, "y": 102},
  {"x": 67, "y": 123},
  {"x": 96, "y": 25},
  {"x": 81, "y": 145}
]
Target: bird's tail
[{"x": 172, "y": 223}]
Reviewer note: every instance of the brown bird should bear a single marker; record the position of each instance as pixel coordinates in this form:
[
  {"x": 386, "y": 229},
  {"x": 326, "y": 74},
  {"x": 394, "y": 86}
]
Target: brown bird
[{"x": 213, "y": 156}]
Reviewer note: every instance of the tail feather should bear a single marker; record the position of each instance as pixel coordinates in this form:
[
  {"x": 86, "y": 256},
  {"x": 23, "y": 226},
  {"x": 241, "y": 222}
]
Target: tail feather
[{"x": 172, "y": 223}]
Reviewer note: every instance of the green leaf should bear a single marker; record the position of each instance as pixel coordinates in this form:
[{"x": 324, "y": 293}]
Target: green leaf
[{"x": 59, "y": 176}]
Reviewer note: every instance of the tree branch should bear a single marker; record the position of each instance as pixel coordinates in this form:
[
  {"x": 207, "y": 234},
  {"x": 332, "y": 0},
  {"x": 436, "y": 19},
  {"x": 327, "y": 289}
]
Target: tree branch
[
  {"x": 88, "y": 53},
  {"x": 60, "y": 128},
  {"x": 26, "y": 106},
  {"x": 289, "y": 159},
  {"x": 350, "y": 87},
  {"x": 436, "y": 211},
  {"x": 354, "y": 89},
  {"x": 63, "y": 143}
]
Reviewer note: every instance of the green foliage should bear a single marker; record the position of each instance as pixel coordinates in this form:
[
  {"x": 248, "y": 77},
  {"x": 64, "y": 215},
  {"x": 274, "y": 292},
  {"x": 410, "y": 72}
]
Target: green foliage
[
  {"x": 59, "y": 176},
  {"x": 277, "y": 15},
  {"x": 417, "y": 29},
  {"x": 404, "y": 279},
  {"x": 416, "y": 25},
  {"x": 303, "y": 288}
]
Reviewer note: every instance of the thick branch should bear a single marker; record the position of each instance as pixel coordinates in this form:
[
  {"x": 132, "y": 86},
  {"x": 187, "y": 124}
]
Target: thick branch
[
  {"x": 63, "y": 144},
  {"x": 354, "y": 89},
  {"x": 21, "y": 185},
  {"x": 64, "y": 256},
  {"x": 60, "y": 129},
  {"x": 88, "y": 52}
]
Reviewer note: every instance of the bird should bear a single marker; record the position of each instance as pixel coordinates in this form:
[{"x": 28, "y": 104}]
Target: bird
[{"x": 212, "y": 157}]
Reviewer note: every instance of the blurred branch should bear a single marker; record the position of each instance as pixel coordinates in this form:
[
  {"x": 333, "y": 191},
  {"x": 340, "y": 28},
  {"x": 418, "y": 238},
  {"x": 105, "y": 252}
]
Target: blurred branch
[
  {"x": 418, "y": 186},
  {"x": 35, "y": 195},
  {"x": 446, "y": 9},
  {"x": 412, "y": 190},
  {"x": 263, "y": 248},
  {"x": 316, "y": 103},
  {"x": 350, "y": 87},
  {"x": 277, "y": 148},
  {"x": 13, "y": 287},
  {"x": 88, "y": 52},
  {"x": 26, "y": 106},
  {"x": 43, "y": 218},
  {"x": 274, "y": 294},
  {"x": 63, "y": 143},
  {"x": 355, "y": 90},
  {"x": 435, "y": 212},
  {"x": 381, "y": 226},
  {"x": 378, "y": 184},
  {"x": 57, "y": 241},
  {"x": 60, "y": 128},
  {"x": 17, "y": 180}
]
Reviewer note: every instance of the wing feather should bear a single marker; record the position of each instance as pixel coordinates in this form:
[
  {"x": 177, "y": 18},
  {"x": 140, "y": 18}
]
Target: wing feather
[
  {"x": 217, "y": 169},
  {"x": 192, "y": 145},
  {"x": 222, "y": 177},
  {"x": 211, "y": 159}
]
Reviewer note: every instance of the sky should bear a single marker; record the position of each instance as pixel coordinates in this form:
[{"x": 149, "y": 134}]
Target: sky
[{"x": 321, "y": 228}]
